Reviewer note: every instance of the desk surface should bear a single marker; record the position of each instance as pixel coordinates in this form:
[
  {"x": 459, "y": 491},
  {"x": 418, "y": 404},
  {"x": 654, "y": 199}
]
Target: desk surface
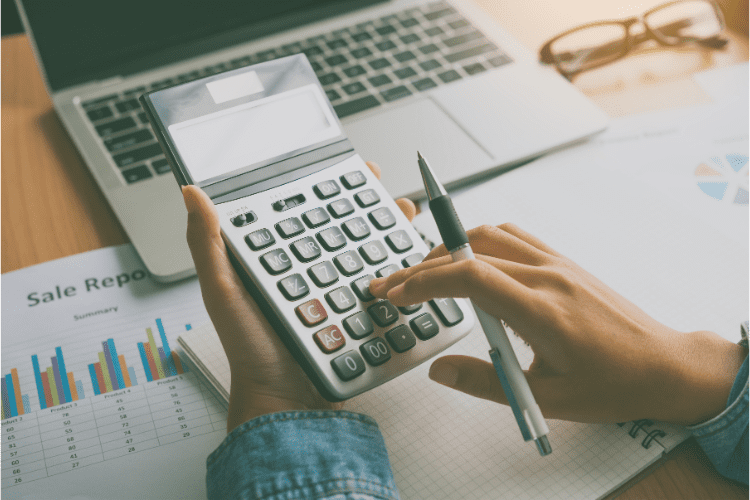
[{"x": 52, "y": 208}]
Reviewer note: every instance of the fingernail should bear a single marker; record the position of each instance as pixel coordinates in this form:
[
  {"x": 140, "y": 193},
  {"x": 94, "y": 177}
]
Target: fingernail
[
  {"x": 189, "y": 198},
  {"x": 444, "y": 373}
]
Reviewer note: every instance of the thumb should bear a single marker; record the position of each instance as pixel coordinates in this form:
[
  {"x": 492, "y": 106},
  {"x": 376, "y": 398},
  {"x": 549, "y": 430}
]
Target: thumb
[{"x": 469, "y": 375}]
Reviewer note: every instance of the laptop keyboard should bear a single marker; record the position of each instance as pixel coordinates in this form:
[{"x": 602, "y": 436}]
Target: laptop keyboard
[{"x": 360, "y": 67}]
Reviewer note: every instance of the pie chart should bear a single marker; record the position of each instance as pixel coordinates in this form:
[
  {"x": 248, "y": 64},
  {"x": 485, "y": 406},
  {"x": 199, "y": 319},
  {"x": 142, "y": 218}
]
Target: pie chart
[{"x": 724, "y": 178}]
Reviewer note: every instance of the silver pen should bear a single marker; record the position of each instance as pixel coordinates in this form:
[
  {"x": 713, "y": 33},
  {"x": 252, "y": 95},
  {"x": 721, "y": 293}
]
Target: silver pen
[{"x": 528, "y": 415}]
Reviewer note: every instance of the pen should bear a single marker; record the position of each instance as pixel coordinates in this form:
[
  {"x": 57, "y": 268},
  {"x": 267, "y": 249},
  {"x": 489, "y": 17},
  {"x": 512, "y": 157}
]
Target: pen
[{"x": 517, "y": 390}]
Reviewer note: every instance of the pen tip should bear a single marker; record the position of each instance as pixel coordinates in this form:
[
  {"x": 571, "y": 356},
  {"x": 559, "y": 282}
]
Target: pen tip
[{"x": 419, "y": 155}]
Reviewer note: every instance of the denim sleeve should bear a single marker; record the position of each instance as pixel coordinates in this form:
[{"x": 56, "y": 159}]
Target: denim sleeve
[
  {"x": 300, "y": 455},
  {"x": 724, "y": 438}
]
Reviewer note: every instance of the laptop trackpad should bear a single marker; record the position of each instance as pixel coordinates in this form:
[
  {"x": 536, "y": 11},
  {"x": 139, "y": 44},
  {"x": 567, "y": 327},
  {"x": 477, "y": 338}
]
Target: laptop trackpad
[{"x": 391, "y": 139}]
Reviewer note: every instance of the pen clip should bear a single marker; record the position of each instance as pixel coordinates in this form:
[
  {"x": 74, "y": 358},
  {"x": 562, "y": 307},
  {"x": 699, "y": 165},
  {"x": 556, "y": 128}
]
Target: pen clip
[{"x": 498, "y": 364}]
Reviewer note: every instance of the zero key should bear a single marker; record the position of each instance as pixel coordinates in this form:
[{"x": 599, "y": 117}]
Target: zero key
[{"x": 349, "y": 365}]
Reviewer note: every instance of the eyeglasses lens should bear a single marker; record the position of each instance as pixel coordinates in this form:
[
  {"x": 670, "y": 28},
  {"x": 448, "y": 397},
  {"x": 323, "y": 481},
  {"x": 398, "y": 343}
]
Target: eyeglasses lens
[
  {"x": 684, "y": 22},
  {"x": 589, "y": 47}
]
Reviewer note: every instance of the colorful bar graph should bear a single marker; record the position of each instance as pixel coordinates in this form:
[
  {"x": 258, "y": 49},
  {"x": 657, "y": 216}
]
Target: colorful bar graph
[
  {"x": 159, "y": 361},
  {"x": 13, "y": 402},
  {"x": 111, "y": 372},
  {"x": 55, "y": 385}
]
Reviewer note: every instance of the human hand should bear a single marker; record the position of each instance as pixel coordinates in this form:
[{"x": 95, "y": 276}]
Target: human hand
[
  {"x": 597, "y": 357},
  {"x": 265, "y": 376}
]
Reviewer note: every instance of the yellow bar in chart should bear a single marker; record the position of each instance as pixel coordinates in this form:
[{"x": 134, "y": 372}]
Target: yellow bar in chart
[
  {"x": 105, "y": 372},
  {"x": 155, "y": 352},
  {"x": 52, "y": 386}
]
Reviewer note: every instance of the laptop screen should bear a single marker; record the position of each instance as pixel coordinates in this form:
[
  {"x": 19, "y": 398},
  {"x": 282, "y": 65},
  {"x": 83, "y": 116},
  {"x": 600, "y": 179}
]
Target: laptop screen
[{"x": 83, "y": 40}]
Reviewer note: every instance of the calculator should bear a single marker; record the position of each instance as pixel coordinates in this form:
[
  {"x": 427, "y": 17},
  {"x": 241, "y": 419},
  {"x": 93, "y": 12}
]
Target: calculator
[{"x": 306, "y": 223}]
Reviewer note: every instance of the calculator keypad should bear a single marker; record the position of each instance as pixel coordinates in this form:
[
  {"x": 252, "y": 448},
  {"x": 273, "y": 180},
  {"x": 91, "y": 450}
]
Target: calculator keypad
[{"x": 369, "y": 332}]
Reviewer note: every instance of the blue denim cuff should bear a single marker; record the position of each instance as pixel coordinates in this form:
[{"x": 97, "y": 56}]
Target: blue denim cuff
[
  {"x": 307, "y": 454},
  {"x": 724, "y": 438}
]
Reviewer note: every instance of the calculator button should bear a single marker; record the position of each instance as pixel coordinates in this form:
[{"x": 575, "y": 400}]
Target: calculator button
[
  {"x": 386, "y": 271},
  {"x": 353, "y": 180},
  {"x": 330, "y": 339},
  {"x": 323, "y": 274},
  {"x": 276, "y": 261},
  {"x": 340, "y": 208},
  {"x": 375, "y": 351},
  {"x": 290, "y": 227},
  {"x": 373, "y": 252},
  {"x": 366, "y": 198},
  {"x": 356, "y": 228},
  {"x": 399, "y": 241},
  {"x": 383, "y": 313},
  {"x": 305, "y": 249},
  {"x": 316, "y": 217},
  {"x": 332, "y": 239},
  {"x": 260, "y": 239},
  {"x": 382, "y": 218},
  {"x": 447, "y": 310},
  {"x": 424, "y": 326},
  {"x": 293, "y": 287},
  {"x": 361, "y": 288},
  {"x": 348, "y": 366},
  {"x": 341, "y": 299},
  {"x": 326, "y": 189},
  {"x": 348, "y": 263},
  {"x": 412, "y": 260},
  {"x": 311, "y": 312},
  {"x": 410, "y": 309},
  {"x": 359, "y": 325},
  {"x": 401, "y": 338}
]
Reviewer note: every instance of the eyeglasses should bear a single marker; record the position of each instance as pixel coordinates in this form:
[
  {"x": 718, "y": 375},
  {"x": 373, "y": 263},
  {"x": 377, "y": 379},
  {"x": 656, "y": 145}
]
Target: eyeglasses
[{"x": 596, "y": 44}]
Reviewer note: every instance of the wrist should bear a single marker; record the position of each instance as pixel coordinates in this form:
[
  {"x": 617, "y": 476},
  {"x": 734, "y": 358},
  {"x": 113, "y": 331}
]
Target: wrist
[{"x": 697, "y": 377}]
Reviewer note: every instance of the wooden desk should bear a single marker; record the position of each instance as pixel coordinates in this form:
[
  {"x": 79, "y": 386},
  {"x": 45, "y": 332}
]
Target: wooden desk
[{"x": 52, "y": 208}]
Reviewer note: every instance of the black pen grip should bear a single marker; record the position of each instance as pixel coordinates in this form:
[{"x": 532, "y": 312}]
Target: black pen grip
[{"x": 448, "y": 223}]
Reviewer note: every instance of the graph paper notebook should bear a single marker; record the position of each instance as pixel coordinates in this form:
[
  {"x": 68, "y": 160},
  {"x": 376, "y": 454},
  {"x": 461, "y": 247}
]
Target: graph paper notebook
[{"x": 629, "y": 209}]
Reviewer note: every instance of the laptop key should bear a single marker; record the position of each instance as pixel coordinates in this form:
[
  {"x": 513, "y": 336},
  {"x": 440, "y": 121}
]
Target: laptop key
[
  {"x": 142, "y": 118},
  {"x": 99, "y": 100},
  {"x": 354, "y": 71},
  {"x": 161, "y": 166},
  {"x": 465, "y": 54},
  {"x": 128, "y": 105},
  {"x": 431, "y": 16},
  {"x": 449, "y": 76},
  {"x": 361, "y": 36},
  {"x": 429, "y": 49},
  {"x": 380, "y": 63},
  {"x": 336, "y": 60},
  {"x": 395, "y": 93},
  {"x": 379, "y": 80},
  {"x": 434, "y": 31},
  {"x": 410, "y": 38},
  {"x": 424, "y": 84},
  {"x": 361, "y": 52},
  {"x": 316, "y": 66},
  {"x": 329, "y": 79},
  {"x": 354, "y": 88},
  {"x": 125, "y": 141},
  {"x": 332, "y": 95},
  {"x": 337, "y": 44},
  {"x": 461, "y": 23},
  {"x": 356, "y": 106},
  {"x": 136, "y": 174},
  {"x": 475, "y": 68},
  {"x": 127, "y": 159},
  {"x": 313, "y": 50},
  {"x": 430, "y": 65},
  {"x": 404, "y": 56},
  {"x": 385, "y": 45},
  {"x": 115, "y": 126},
  {"x": 385, "y": 30},
  {"x": 408, "y": 23},
  {"x": 462, "y": 39},
  {"x": 405, "y": 72},
  {"x": 499, "y": 60},
  {"x": 100, "y": 113}
]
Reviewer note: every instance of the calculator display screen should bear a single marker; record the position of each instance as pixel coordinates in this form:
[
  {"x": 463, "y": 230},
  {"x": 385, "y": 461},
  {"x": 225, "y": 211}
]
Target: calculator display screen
[{"x": 239, "y": 139}]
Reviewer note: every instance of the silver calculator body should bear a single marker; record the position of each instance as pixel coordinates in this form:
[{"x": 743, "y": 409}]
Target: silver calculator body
[{"x": 306, "y": 223}]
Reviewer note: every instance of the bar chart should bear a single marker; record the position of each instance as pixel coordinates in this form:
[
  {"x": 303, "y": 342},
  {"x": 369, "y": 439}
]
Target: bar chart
[
  {"x": 55, "y": 385},
  {"x": 160, "y": 361},
  {"x": 14, "y": 403},
  {"x": 111, "y": 372}
]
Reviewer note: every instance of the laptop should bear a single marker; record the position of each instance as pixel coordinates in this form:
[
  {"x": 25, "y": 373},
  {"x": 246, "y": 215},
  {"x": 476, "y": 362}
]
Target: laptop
[{"x": 403, "y": 75}]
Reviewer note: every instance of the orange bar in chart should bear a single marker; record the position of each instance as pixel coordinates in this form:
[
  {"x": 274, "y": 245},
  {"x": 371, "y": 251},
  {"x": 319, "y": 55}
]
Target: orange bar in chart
[
  {"x": 73, "y": 390},
  {"x": 124, "y": 369},
  {"x": 17, "y": 390}
]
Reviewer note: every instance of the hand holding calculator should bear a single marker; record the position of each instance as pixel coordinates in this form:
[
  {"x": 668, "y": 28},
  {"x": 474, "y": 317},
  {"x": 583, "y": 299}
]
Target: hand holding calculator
[{"x": 305, "y": 222}]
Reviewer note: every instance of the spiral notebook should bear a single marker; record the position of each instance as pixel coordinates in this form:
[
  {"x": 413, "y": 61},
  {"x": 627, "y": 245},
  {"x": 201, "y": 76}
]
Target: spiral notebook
[{"x": 620, "y": 213}]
